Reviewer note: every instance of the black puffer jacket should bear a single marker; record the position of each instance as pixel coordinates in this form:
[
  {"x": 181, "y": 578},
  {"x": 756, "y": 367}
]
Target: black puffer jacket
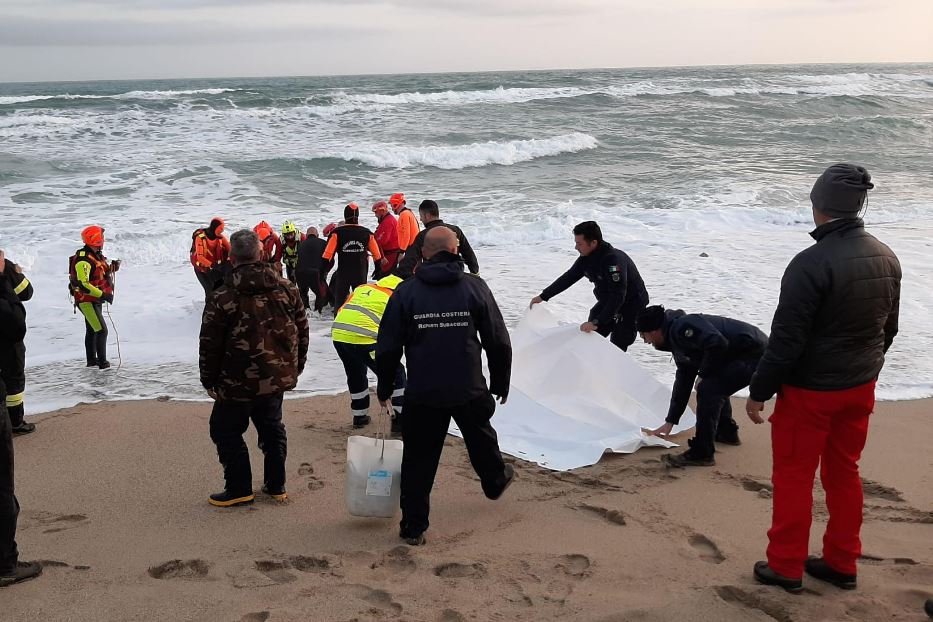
[{"x": 837, "y": 314}]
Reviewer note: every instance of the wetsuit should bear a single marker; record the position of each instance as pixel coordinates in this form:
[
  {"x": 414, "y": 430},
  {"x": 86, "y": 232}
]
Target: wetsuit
[
  {"x": 349, "y": 245},
  {"x": 618, "y": 287},
  {"x": 308, "y": 271},
  {"x": 290, "y": 257},
  {"x": 15, "y": 289},
  {"x": 92, "y": 287},
  {"x": 412, "y": 258}
]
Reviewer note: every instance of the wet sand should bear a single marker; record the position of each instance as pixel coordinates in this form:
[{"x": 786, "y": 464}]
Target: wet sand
[{"x": 114, "y": 500}]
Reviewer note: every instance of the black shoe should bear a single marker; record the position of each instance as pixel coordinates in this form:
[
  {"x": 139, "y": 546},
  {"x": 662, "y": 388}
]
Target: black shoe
[
  {"x": 103, "y": 364},
  {"x": 23, "y": 572},
  {"x": 24, "y": 428},
  {"x": 396, "y": 426},
  {"x": 412, "y": 539},
  {"x": 686, "y": 459},
  {"x": 817, "y": 568},
  {"x": 92, "y": 362},
  {"x": 228, "y": 499},
  {"x": 928, "y": 607},
  {"x": 729, "y": 438},
  {"x": 361, "y": 421},
  {"x": 276, "y": 492},
  {"x": 765, "y": 575},
  {"x": 509, "y": 478}
]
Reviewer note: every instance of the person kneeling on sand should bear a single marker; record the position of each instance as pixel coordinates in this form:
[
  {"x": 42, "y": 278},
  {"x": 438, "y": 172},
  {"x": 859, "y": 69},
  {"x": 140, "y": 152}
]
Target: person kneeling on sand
[
  {"x": 254, "y": 343},
  {"x": 443, "y": 318},
  {"x": 719, "y": 354}
]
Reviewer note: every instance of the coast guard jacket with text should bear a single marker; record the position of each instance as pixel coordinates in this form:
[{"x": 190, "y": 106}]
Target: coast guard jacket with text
[
  {"x": 702, "y": 345},
  {"x": 443, "y": 318},
  {"x": 254, "y": 334},
  {"x": 837, "y": 314},
  {"x": 616, "y": 282}
]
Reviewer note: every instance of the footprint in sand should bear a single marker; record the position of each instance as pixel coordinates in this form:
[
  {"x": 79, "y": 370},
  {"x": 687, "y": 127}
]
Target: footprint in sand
[
  {"x": 275, "y": 570},
  {"x": 455, "y": 570},
  {"x": 707, "y": 549},
  {"x": 304, "y": 563},
  {"x": 61, "y": 523},
  {"x": 739, "y": 596},
  {"x": 451, "y": 615},
  {"x": 380, "y": 599},
  {"x": 307, "y": 471},
  {"x": 574, "y": 564},
  {"x": 880, "y": 491},
  {"x": 613, "y": 516},
  {"x": 256, "y": 616},
  {"x": 397, "y": 560},
  {"x": 180, "y": 569}
]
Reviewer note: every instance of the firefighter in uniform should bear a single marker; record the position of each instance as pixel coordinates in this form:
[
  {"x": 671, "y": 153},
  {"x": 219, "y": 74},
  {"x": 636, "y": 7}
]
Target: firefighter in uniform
[
  {"x": 354, "y": 333},
  {"x": 91, "y": 283},
  {"x": 290, "y": 241},
  {"x": 210, "y": 251},
  {"x": 618, "y": 287},
  {"x": 443, "y": 319},
  {"x": 15, "y": 288}
]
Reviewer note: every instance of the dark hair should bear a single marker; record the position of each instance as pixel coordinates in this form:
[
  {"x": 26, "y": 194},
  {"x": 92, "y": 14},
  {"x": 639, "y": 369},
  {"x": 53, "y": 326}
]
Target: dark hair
[
  {"x": 589, "y": 230},
  {"x": 649, "y": 319},
  {"x": 429, "y": 207}
]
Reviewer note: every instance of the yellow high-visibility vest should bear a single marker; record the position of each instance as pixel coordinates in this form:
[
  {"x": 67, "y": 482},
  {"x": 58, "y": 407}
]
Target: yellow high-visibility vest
[{"x": 357, "y": 321}]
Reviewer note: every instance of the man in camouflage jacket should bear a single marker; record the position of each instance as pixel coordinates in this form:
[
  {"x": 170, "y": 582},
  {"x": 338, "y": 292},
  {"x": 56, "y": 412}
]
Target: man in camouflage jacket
[{"x": 254, "y": 342}]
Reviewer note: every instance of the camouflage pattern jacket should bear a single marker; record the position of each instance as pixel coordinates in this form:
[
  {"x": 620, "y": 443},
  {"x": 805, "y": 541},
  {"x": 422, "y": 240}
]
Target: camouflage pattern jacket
[{"x": 254, "y": 335}]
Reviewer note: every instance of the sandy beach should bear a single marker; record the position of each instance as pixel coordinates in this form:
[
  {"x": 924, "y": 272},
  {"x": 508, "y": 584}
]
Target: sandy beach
[{"x": 114, "y": 500}]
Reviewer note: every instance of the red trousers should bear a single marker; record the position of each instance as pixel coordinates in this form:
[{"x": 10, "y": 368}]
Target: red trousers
[{"x": 825, "y": 428}]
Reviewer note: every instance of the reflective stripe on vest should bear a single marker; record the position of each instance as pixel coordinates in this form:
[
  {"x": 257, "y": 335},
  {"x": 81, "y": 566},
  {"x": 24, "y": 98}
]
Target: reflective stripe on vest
[
  {"x": 22, "y": 285},
  {"x": 357, "y": 321}
]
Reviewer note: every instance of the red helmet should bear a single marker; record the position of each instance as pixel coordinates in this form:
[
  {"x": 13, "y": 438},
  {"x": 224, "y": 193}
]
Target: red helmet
[
  {"x": 397, "y": 200},
  {"x": 263, "y": 230},
  {"x": 93, "y": 235},
  {"x": 329, "y": 229}
]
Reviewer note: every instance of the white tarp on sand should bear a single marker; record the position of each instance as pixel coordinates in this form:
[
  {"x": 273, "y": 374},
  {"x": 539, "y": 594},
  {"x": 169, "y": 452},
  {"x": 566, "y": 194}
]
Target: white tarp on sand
[{"x": 575, "y": 396}]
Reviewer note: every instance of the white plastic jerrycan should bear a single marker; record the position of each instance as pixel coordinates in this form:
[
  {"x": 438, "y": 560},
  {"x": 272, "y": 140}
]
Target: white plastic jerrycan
[{"x": 374, "y": 473}]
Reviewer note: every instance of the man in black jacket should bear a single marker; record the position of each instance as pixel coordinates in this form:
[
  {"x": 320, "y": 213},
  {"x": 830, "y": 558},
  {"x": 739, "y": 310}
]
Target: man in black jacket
[
  {"x": 13, "y": 353},
  {"x": 430, "y": 216},
  {"x": 618, "y": 287},
  {"x": 12, "y": 330},
  {"x": 836, "y": 317},
  {"x": 723, "y": 354},
  {"x": 443, "y": 319},
  {"x": 308, "y": 272}
]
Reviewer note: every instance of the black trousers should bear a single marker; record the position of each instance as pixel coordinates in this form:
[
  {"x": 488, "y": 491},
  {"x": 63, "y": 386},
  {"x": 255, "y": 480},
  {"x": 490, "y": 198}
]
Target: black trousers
[
  {"x": 95, "y": 343},
  {"x": 229, "y": 420},
  {"x": 621, "y": 331},
  {"x": 343, "y": 283},
  {"x": 424, "y": 429},
  {"x": 356, "y": 359},
  {"x": 311, "y": 280},
  {"x": 9, "y": 506},
  {"x": 714, "y": 410},
  {"x": 13, "y": 375}
]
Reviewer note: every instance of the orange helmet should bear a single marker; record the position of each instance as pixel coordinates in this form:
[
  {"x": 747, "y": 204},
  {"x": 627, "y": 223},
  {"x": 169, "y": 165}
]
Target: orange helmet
[
  {"x": 380, "y": 208},
  {"x": 263, "y": 230},
  {"x": 397, "y": 200},
  {"x": 93, "y": 235}
]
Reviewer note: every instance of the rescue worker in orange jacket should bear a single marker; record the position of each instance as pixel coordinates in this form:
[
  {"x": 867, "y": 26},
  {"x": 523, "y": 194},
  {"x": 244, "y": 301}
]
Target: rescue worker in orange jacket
[
  {"x": 386, "y": 235},
  {"x": 349, "y": 245},
  {"x": 210, "y": 250},
  {"x": 91, "y": 283},
  {"x": 407, "y": 222},
  {"x": 271, "y": 244}
]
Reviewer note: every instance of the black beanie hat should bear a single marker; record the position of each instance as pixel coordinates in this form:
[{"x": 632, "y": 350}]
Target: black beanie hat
[
  {"x": 649, "y": 319},
  {"x": 351, "y": 213},
  {"x": 841, "y": 190}
]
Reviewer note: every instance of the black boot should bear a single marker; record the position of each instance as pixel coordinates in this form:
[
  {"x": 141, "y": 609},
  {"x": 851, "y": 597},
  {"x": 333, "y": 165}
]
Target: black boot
[
  {"x": 764, "y": 574},
  {"x": 361, "y": 421},
  {"x": 100, "y": 340},
  {"x": 276, "y": 492},
  {"x": 817, "y": 568},
  {"x": 22, "y": 572},
  {"x": 928, "y": 607},
  {"x": 728, "y": 436},
  {"x": 228, "y": 499}
]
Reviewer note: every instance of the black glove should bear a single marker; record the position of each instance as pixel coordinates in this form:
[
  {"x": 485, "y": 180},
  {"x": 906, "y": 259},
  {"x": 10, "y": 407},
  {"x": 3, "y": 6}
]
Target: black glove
[
  {"x": 107, "y": 297},
  {"x": 115, "y": 265}
]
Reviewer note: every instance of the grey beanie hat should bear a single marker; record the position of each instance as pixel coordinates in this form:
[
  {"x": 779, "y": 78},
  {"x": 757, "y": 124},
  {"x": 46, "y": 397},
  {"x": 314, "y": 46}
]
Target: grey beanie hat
[{"x": 841, "y": 190}]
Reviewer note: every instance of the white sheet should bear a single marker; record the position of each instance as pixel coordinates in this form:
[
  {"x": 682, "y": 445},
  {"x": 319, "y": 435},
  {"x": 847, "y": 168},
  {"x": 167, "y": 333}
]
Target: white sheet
[{"x": 575, "y": 396}]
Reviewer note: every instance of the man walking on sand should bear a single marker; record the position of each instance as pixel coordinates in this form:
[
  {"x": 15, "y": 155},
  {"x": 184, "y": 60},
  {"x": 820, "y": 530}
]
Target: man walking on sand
[
  {"x": 443, "y": 318},
  {"x": 254, "y": 342},
  {"x": 835, "y": 320}
]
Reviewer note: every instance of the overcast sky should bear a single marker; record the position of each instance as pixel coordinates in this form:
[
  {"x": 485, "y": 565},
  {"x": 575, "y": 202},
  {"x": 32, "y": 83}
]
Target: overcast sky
[{"x": 113, "y": 39}]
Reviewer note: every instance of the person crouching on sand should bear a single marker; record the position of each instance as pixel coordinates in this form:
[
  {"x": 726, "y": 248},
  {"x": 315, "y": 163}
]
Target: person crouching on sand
[{"x": 254, "y": 343}]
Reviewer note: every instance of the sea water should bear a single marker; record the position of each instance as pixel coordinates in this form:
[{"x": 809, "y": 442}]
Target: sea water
[{"x": 700, "y": 174}]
